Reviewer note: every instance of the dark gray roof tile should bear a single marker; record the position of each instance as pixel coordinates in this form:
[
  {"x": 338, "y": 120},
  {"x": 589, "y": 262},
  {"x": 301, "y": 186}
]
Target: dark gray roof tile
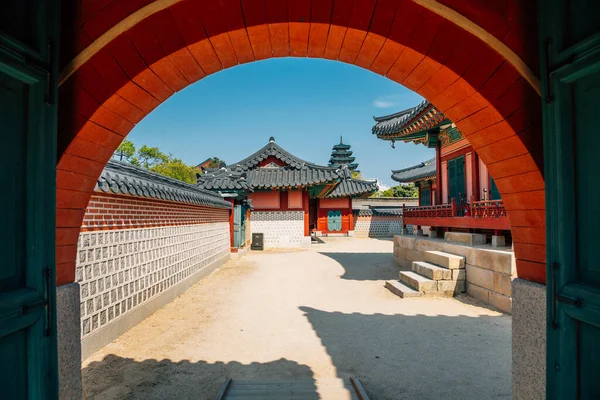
[{"x": 424, "y": 170}]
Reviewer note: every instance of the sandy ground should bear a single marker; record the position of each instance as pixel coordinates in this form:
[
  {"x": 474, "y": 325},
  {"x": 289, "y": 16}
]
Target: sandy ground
[{"x": 320, "y": 313}]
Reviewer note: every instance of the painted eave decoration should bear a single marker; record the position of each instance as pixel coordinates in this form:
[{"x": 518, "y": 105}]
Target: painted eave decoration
[{"x": 126, "y": 179}]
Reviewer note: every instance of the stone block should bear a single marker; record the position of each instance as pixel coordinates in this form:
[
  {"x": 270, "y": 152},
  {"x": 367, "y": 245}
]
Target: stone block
[
  {"x": 402, "y": 263},
  {"x": 400, "y": 251},
  {"x": 419, "y": 232},
  {"x": 413, "y": 255},
  {"x": 407, "y": 242},
  {"x": 68, "y": 326},
  {"x": 460, "y": 250},
  {"x": 495, "y": 260},
  {"x": 528, "y": 340},
  {"x": 397, "y": 240},
  {"x": 458, "y": 275},
  {"x": 502, "y": 284},
  {"x": 478, "y": 292},
  {"x": 418, "y": 282},
  {"x": 452, "y": 287},
  {"x": 480, "y": 277},
  {"x": 431, "y": 271},
  {"x": 470, "y": 239},
  {"x": 424, "y": 245},
  {"x": 498, "y": 241},
  {"x": 433, "y": 234},
  {"x": 501, "y": 302},
  {"x": 446, "y": 260}
]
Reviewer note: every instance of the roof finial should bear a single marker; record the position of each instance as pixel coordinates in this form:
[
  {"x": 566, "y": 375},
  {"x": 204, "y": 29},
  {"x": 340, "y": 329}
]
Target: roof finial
[
  {"x": 271, "y": 139},
  {"x": 341, "y": 142}
]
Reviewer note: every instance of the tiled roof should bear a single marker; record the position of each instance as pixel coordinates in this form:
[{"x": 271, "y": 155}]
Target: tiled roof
[
  {"x": 411, "y": 124},
  {"x": 272, "y": 149},
  {"x": 223, "y": 179},
  {"x": 122, "y": 178},
  {"x": 353, "y": 187},
  {"x": 424, "y": 170},
  {"x": 378, "y": 211},
  {"x": 286, "y": 177}
]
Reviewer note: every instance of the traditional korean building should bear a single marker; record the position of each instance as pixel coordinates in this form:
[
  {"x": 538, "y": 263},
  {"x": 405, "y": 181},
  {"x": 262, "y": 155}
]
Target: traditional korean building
[
  {"x": 288, "y": 198},
  {"x": 456, "y": 191},
  {"x": 341, "y": 155}
]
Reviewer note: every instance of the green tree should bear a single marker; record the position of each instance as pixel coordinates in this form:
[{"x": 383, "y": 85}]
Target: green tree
[
  {"x": 176, "y": 169},
  {"x": 409, "y": 190},
  {"x": 149, "y": 157},
  {"x": 357, "y": 175},
  {"x": 125, "y": 151},
  {"x": 215, "y": 162}
]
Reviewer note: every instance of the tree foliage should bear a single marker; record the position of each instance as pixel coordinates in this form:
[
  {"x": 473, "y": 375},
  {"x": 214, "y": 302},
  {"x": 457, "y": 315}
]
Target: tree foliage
[
  {"x": 125, "y": 151},
  {"x": 409, "y": 190},
  {"x": 215, "y": 162},
  {"x": 151, "y": 158},
  {"x": 357, "y": 175}
]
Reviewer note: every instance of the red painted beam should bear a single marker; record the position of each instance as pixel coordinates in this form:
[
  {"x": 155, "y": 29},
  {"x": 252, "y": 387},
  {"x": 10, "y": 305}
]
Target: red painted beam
[{"x": 460, "y": 222}]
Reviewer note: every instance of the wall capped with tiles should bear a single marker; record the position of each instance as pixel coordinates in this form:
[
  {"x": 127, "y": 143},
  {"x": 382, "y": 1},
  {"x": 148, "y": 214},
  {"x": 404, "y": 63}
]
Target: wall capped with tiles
[
  {"x": 126, "y": 272},
  {"x": 280, "y": 228}
]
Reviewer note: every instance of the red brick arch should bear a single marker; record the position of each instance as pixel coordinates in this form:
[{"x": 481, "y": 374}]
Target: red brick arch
[{"x": 147, "y": 61}]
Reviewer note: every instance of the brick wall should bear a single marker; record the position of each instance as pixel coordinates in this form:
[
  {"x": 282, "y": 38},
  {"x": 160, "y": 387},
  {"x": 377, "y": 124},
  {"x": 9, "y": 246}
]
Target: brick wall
[
  {"x": 132, "y": 251},
  {"x": 108, "y": 211}
]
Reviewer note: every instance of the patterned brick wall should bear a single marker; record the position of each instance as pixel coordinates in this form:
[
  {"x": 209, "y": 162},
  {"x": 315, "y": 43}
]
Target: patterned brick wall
[
  {"x": 377, "y": 226},
  {"x": 119, "y": 267},
  {"x": 106, "y": 211},
  {"x": 280, "y": 228}
]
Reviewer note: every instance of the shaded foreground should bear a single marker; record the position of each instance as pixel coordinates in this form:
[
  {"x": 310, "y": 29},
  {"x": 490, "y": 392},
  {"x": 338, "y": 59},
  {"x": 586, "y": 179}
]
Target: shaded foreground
[{"x": 317, "y": 314}]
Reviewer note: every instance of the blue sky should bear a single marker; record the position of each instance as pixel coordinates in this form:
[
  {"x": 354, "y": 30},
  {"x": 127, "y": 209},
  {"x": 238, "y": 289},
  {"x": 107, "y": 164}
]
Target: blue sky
[{"x": 306, "y": 104}]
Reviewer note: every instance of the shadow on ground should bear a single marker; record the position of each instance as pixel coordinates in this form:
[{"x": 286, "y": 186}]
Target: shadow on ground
[
  {"x": 421, "y": 357},
  {"x": 365, "y": 266},
  {"x": 124, "y": 378}
]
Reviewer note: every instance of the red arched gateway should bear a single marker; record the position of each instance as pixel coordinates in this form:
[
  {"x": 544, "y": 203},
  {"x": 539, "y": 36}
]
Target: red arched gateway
[{"x": 474, "y": 61}]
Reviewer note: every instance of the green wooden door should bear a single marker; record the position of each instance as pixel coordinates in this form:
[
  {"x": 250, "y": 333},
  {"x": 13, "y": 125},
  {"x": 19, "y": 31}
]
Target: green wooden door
[
  {"x": 570, "y": 53},
  {"x": 334, "y": 221},
  {"x": 456, "y": 181},
  {"x": 426, "y": 196},
  {"x": 28, "y": 88}
]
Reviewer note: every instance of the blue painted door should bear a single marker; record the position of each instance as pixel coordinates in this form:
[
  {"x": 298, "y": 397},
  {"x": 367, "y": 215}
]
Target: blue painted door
[
  {"x": 426, "y": 196},
  {"x": 570, "y": 53},
  {"x": 334, "y": 221},
  {"x": 28, "y": 70}
]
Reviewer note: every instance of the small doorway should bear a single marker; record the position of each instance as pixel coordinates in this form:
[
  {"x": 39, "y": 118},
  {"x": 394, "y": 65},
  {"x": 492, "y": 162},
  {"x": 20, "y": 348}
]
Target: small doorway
[{"x": 334, "y": 221}]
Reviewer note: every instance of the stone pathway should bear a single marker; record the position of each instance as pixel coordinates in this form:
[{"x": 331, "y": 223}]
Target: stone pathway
[{"x": 316, "y": 314}]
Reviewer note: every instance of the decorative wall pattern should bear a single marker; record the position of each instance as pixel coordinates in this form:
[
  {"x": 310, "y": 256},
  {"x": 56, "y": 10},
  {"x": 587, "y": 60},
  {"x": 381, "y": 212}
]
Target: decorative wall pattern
[
  {"x": 377, "y": 226},
  {"x": 280, "y": 228},
  {"x": 119, "y": 270}
]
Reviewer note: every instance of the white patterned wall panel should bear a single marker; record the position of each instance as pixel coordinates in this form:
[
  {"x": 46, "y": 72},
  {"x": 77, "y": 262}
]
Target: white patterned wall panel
[
  {"x": 372, "y": 227},
  {"x": 119, "y": 270},
  {"x": 280, "y": 228}
]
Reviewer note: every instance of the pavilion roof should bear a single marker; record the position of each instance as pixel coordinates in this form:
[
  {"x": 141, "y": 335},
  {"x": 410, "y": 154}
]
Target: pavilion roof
[
  {"x": 354, "y": 187},
  {"x": 411, "y": 124},
  {"x": 123, "y": 178},
  {"x": 421, "y": 171},
  {"x": 246, "y": 175}
]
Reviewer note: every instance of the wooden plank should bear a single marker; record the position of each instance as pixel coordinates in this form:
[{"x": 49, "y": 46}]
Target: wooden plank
[
  {"x": 500, "y": 223},
  {"x": 223, "y": 390}
]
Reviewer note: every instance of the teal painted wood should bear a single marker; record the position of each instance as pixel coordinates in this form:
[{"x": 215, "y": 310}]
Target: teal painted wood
[
  {"x": 426, "y": 196},
  {"x": 237, "y": 226},
  {"x": 28, "y": 89},
  {"x": 494, "y": 192},
  {"x": 334, "y": 221},
  {"x": 570, "y": 70},
  {"x": 456, "y": 181}
]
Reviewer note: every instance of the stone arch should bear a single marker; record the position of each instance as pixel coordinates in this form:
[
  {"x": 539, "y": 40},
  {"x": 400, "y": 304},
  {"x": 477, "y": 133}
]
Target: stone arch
[{"x": 137, "y": 63}]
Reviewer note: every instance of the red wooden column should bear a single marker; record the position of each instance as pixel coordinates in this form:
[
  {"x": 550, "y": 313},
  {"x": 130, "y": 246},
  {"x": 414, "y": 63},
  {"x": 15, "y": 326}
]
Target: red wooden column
[
  {"x": 351, "y": 216},
  {"x": 306, "y": 210},
  {"x": 475, "y": 176},
  {"x": 438, "y": 173}
]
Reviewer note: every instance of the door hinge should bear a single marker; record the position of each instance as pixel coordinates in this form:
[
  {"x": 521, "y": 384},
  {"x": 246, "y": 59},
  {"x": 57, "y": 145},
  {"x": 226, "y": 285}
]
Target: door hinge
[{"x": 556, "y": 297}]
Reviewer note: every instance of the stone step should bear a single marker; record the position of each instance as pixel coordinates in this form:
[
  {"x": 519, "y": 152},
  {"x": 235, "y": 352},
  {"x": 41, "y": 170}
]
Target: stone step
[
  {"x": 418, "y": 282},
  {"x": 445, "y": 260},
  {"x": 431, "y": 271},
  {"x": 470, "y": 239},
  {"x": 402, "y": 290}
]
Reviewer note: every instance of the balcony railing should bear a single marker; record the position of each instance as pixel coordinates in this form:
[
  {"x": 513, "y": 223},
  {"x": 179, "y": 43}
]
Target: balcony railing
[{"x": 476, "y": 214}]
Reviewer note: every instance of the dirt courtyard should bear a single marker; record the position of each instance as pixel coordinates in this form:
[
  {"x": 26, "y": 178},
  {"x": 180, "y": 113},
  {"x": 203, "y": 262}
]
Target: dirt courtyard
[{"x": 318, "y": 313}]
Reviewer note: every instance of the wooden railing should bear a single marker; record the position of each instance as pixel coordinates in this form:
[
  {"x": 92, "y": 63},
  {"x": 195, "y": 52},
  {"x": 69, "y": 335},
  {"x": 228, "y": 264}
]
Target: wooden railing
[
  {"x": 474, "y": 209},
  {"x": 488, "y": 209}
]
